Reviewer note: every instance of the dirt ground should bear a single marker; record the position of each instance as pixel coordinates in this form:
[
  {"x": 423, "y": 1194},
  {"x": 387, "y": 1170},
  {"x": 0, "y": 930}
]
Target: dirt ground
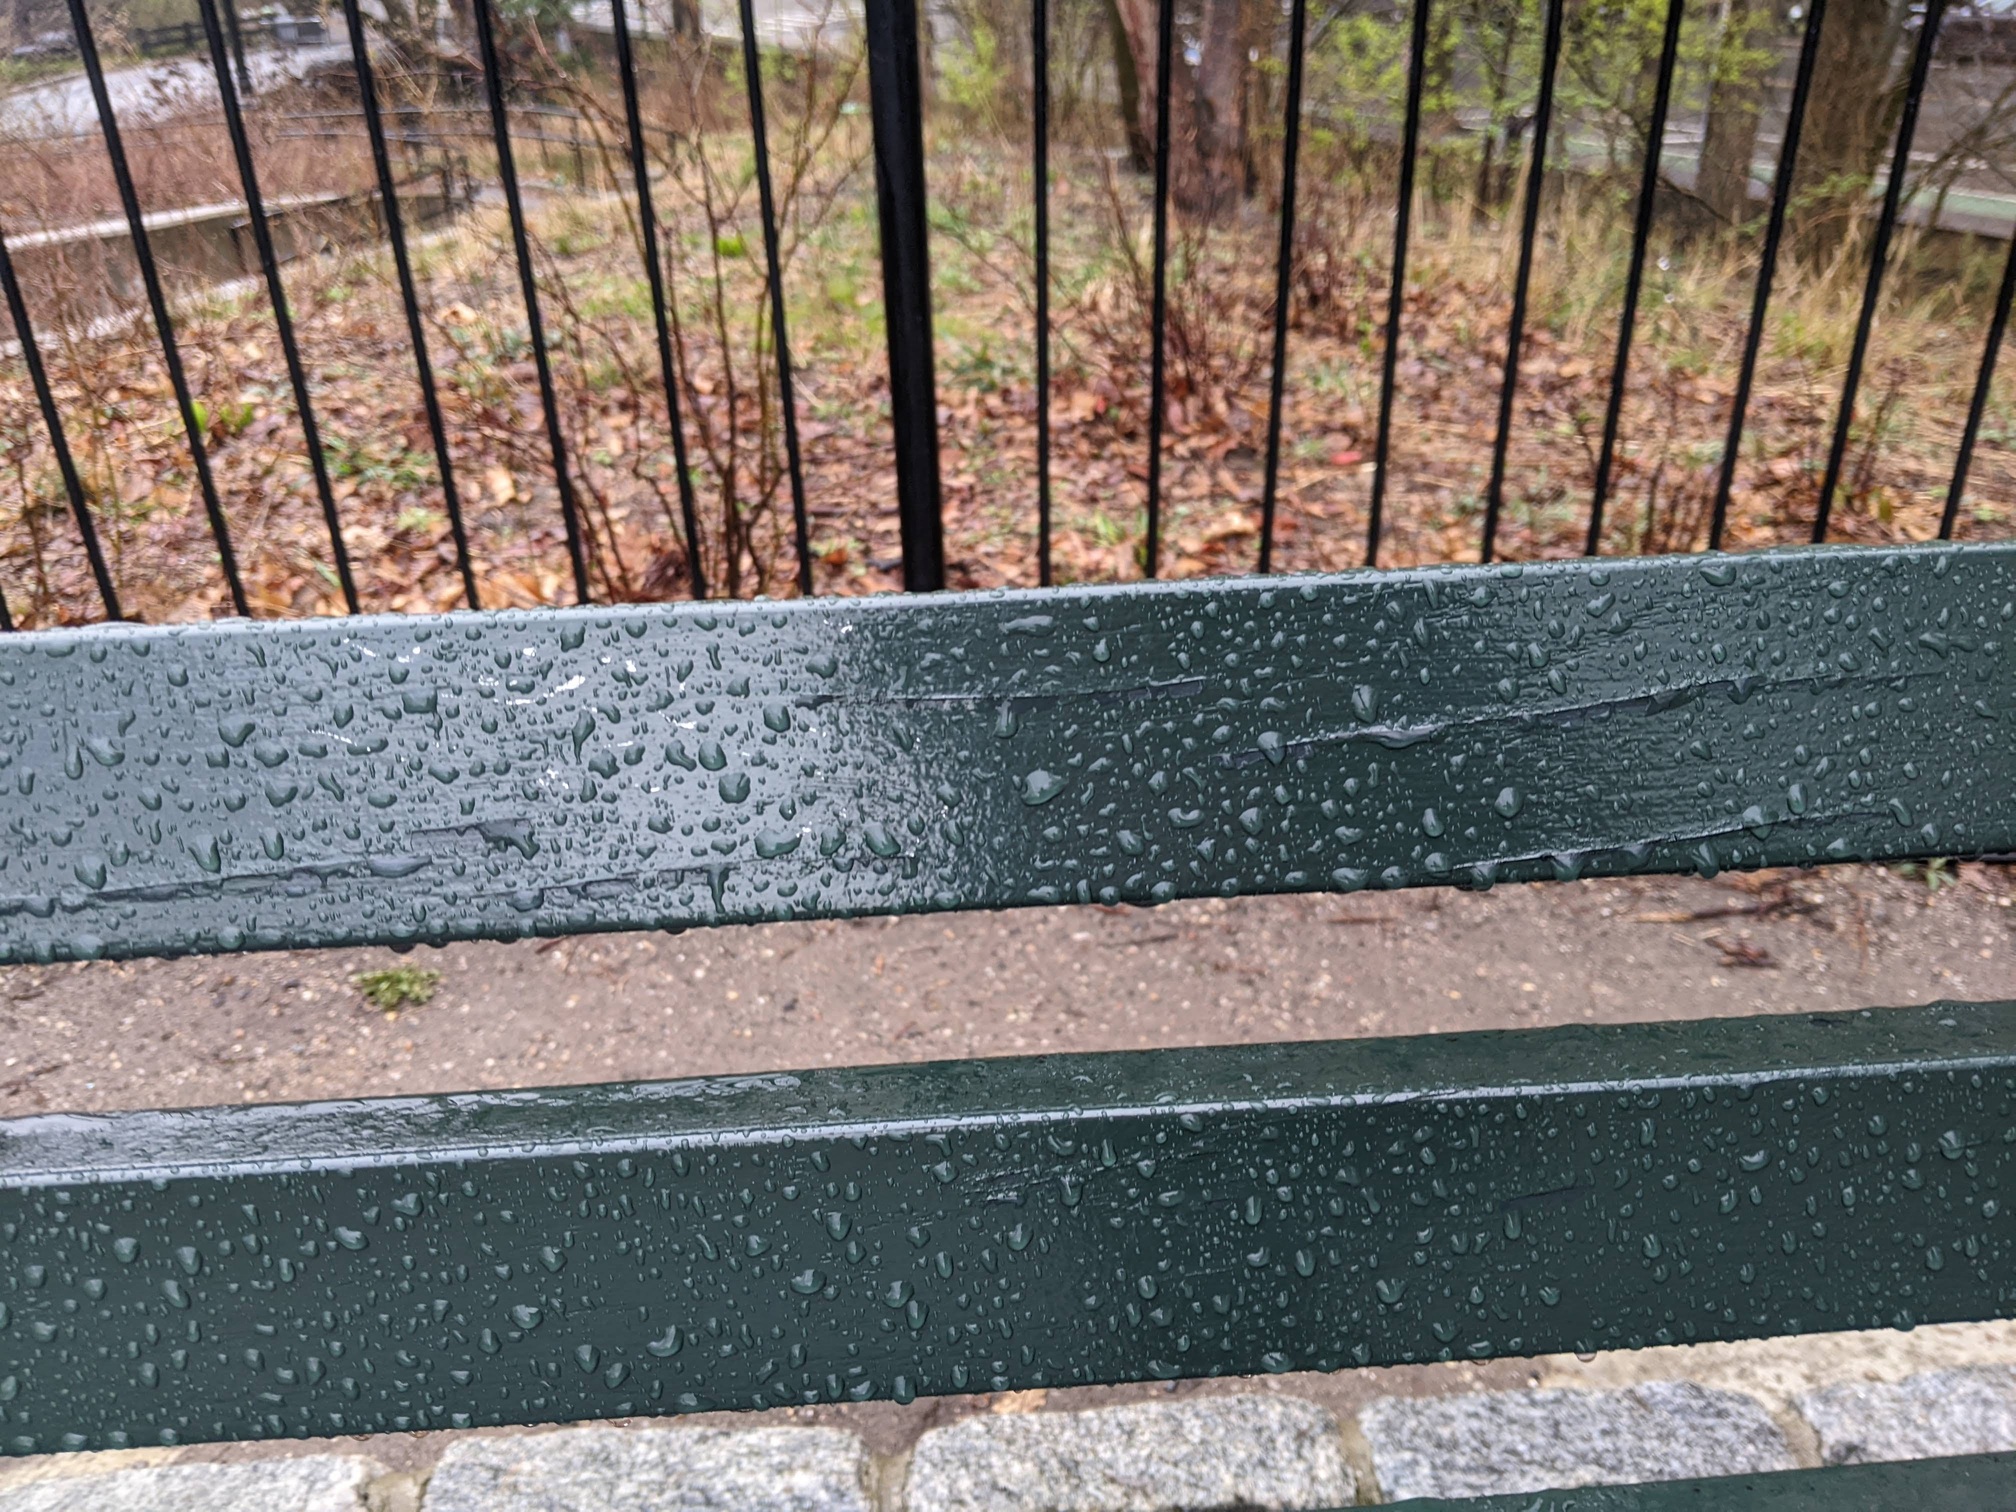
[
  {"x": 289, "y": 1026},
  {"x": 784, "y": 996}
]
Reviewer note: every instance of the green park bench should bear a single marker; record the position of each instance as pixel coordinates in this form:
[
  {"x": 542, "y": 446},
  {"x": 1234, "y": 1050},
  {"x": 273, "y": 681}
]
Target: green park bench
[{"x": 396, "y": 1264}]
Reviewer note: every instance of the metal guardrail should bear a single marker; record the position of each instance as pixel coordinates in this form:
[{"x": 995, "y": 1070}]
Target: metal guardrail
[
  {"x": 186, "y": 36},
  {"x": 896, "y": 105}
]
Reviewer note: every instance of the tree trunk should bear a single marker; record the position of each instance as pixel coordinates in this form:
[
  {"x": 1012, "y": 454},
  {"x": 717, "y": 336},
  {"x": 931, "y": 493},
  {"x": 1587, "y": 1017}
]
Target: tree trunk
[
  {"x": 1852, "y": 114},
  {"x": 1218, "y": 125},
  {"x": 1207, "y": 116},
  {"x": 1494, "y": 184},
  {"x": 1140, "y": 145},
  {"x": 1735, "y": 100}
]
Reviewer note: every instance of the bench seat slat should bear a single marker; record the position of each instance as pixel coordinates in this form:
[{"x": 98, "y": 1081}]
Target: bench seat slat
[
  {"x": 1965, "y": 1483},
  {"x": 519, "y": 1257},
  {"x": 394, "y": 779}
]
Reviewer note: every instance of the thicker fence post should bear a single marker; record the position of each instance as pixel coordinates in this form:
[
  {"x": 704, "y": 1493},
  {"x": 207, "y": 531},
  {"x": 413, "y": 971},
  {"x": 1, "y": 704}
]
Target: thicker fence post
[{"x": 896, "y": 101}]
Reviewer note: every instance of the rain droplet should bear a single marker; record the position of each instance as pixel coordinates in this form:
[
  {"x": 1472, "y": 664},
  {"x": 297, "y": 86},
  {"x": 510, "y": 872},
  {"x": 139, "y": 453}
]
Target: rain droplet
[
  {"x": 1040, "y": 787},
  {"x": 667, "y": 1344}
]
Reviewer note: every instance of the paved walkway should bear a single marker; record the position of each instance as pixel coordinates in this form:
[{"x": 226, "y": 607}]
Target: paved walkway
[{"x": 147, "y": 91}]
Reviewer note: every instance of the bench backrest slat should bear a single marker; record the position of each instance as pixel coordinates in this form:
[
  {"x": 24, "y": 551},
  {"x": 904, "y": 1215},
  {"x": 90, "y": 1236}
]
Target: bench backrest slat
[{"x": 390, "y": 780}]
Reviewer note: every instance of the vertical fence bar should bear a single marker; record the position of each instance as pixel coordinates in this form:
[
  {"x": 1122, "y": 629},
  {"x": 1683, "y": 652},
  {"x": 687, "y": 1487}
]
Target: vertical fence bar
[
  {"x": 1760, "y": 301},
  {"x": 773, "y": 261},
  {"x": 276, "y": 293},
  {"x": 1396, "y": 293},
  {"x": 409, "y": 295},
  {"x": 896, "y": 103},
  {"x": 1529, "y": 228},
  {"x": 1634, "y": 277},
  {"x": 157, "y": 303},
  {"x": 1039, "y": 25},
  {"x": 521, "y": 246},
  {"x": 1998, "y": 327},
  {"x": 52, "y": 419},
  {"x": 6, "y": 616},
  {"x": 1158, "y": 317},
  {"x": 1284, "y": 269},
  {"x": 647, "y": 224},
  {"x": 238, "y": 47},
  {"x": 1879, "y": 256}
]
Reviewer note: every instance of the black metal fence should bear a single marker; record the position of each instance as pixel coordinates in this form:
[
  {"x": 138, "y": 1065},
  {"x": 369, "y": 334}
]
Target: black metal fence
[{"x": 897, "y": 101}]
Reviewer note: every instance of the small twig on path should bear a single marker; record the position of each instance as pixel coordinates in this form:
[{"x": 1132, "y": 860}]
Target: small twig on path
[
  {"x": 20, "y": 1083},
  {"x": 1702, "y": 915},
  {"x": 1742, "y": 953},
  {"x": 1774, "y": 899}
]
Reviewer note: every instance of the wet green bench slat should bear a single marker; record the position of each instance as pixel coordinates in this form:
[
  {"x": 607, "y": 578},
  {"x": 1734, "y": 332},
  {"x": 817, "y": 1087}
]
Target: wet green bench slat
[
  {"x": 1965, "y": 1483},
  {"x": 519, "y": 1257},
  {"x": 388, "y": 780}
]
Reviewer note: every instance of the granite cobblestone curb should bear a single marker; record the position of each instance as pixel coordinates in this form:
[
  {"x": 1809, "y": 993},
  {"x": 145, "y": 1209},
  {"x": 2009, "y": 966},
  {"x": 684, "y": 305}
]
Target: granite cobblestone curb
[
  {"x": 1233, "y": 1451},
  {"x": 1203, "y": 1454},
  {"x": 1497, "y": 1442},
  {"x": 309, "y": 1483},
  {"x": 1942, "y": 1412},
  {"x": 668, "y": 1469}
]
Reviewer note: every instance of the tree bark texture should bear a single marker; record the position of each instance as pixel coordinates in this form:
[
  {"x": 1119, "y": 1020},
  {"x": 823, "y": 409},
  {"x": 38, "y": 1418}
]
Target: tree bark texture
[
  {"x": 1857, "y": 94},
  {"x": 1208, "y": 161},
  {"x": 1735, "y": 103}
]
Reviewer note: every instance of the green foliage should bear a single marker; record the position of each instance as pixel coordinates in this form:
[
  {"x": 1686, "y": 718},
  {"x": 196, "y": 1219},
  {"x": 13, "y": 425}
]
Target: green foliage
[
  {"x": 220, "y": 422},
  {"x": 1609, "y": 66},
  {"x": 1481, "y": 81},
  {"x": 415, "y": 519},
  {"x": 978, "y": 367},
  {"x": 628, "y": 298},
  {"x": 1360, "y": 59},
  {"x": 394, "y": 466},
  {"x": 972, "y": 78},
  {"x": 16, "y": 72},
  {"x": 1937, "y": 874},
  {"x": 396, "y": 987}
]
